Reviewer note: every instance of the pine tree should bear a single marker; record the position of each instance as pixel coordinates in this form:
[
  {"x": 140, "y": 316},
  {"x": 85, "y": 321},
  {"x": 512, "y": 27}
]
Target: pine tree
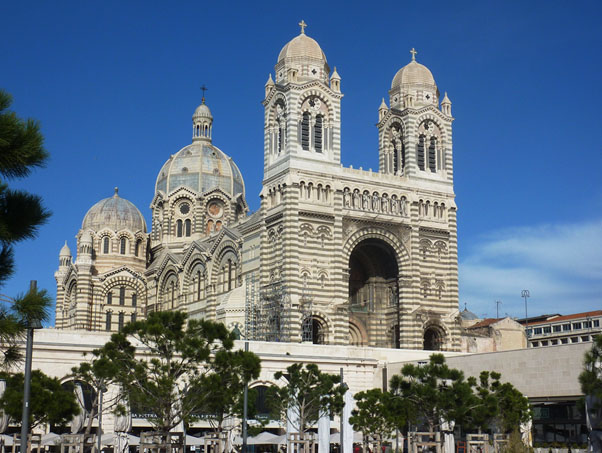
[{"x": 21, "y": 214}]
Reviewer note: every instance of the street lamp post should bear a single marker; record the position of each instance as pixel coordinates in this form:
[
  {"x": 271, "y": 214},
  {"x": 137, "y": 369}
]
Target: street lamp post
[
  {"x": 525, "y": 294},
  {"x": 31, "y": 325}
]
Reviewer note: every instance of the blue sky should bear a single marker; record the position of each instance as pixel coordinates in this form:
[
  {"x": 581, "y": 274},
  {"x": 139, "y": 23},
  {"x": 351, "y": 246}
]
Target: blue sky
[{"x": 114, "y": 85}]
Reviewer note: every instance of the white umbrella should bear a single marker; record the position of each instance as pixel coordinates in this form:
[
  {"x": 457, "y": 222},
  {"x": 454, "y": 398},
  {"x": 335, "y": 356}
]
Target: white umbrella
[
  {"x": 336, "y": 438},
  {"x": 191, "y": 440},
  {"x": 264, "y": 438},
  {"x": 8, "y": 440},
  {"x": 113, "y": 439},
  {"x": 51, "y": 439}
]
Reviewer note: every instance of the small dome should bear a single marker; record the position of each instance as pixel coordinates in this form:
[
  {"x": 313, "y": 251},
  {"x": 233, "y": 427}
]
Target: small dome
[
  {"x": 200, "y": 167},
  {"x": 467, "y": 315},
  {"x": 202, "y": 111},
  {"x": 86, "y": 238},
  {"x": 115, "y": 213},
  {"x": 413, "y": 74},
  {"x": 65, "y": 250},
  {"x": 302, "y": 46}
]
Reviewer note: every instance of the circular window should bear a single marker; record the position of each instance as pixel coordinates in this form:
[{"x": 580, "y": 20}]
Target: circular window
[
  {"x": 215, "y": 209},
  {"x": 184, "y": 208}
]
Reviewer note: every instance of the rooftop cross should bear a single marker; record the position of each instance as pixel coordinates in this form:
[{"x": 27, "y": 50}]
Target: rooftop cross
[
  {"x": 302, "y": 24},
  {"x": 203, "y": 89},
  {"x": 413, "y": 52}
]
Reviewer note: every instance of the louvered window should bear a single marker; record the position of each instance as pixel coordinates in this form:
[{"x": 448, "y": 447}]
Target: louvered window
[
  {"x": 305, "y": 132},
  {"x": 108, "y": 321},
  {"x": 432, "y": 154},
  {"x": 109, "y": 298},
  {"x": 179, "y": 228},
  {"x": 187, "y": 227},
  {"x": 420, "y": 153},
  {"x": 318, "y": 134},
  {"x": 134, "y": 300},
  {"x": 122, "y": 295},
  {"x": 121, "y": 320}
]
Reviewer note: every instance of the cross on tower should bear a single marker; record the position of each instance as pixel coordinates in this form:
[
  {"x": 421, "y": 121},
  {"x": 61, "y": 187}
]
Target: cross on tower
[
  {"x": 203, "y": 89},
  {"x": 413, "y": 52},
  {"x": 302, "y": 24}
]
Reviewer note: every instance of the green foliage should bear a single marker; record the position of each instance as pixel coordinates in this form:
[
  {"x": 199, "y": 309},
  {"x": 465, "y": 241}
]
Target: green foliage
[
  {"x": 21, "y": 213},
  {"x": 377, "y": 414},
  {"x": 28, "y": 309},
  {"x": 99, "y": 373},
  {"x": 167, "y": 379},
  {"x": 434, "y": 392},
  {"x": 50, "y": 402},
  {"x": 591, "y": 376},
  {"x": 515, "y": 444},
  {"x": 312, "y": 392},
  {"x": 496, "y": 403},
  {"x": 221, "y": 391}
]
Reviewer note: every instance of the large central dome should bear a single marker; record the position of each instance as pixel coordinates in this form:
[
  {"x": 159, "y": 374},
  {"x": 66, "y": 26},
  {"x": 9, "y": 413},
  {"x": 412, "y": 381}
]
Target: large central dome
[
  {"x": 200, "y": 167},
  {"x": 302, "y": 46}
]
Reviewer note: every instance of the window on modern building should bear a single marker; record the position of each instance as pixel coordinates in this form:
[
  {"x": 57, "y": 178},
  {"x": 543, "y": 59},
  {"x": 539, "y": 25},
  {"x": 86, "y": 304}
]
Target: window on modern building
[
  {"x": 576, "y": 326},
  {"x": 557, "y": 328},
  {"x": 121, "y": 320},
  {"x": 187, "y": 227},
  {"x": 566, "y": 327},
  {"x": 109, "y": 298},
  {"x": 547, "y": 329},
  {"x": 537, "y": 331},
  {"x": 305, "y": 132},
  {"x": 318, "y": 134},
  {"x": 108, "y": 321},
  {"x": 529, "y": 333},
  {"x": 544, "y": 343},
  {"x": 587, "y": 324},
  {"x": 585, "y": 338},
  {"x": 554, "y": 342},
  {"x": 179, "y": 228},
  {"x": 105, "y": 245},
  {"x": 432, "y": 155},
  {"x": 122, "y": 245},
  {"x": 134, "y": 300},
  {"x": 122, "y": 295},
  {"x": 574, "y": 339},
  {"x": 535, "y": 344},
  {"x": 596, "y": 323},
  {"x": 564, "y": 340},
  {"x": 137, "y": 247},
  {"x": 420, "y": 153}
]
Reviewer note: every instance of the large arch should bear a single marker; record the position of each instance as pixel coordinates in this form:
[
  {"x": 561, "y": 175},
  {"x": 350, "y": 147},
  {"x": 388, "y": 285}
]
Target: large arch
[{"x": 373, "y": 289}]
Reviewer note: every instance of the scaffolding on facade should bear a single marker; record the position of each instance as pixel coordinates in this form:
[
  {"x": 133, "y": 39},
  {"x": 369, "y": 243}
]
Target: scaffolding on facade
[{"x": 267, "y": 311}]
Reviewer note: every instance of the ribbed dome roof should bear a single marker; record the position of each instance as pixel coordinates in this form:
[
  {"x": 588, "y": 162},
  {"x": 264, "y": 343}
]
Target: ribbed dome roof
[
  {"x": 468, "y": 315},
  {"x": 200, "y": 167},
  {"x": 302, "y": 46},
  {"x": 65, "y": 250},
  {"x": 202, "y": 111},
  {"x": 115, "y": 213},
  {"x": 413, "y": 74}
]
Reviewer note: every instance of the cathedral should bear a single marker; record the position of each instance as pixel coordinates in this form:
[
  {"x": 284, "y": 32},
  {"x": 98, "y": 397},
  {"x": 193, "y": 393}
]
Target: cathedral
[{"x": 334, "y": 255}]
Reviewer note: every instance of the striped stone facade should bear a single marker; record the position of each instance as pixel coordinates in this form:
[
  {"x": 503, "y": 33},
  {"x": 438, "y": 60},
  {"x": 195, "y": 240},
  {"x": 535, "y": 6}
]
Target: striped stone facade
[{"x": 334, "y": 255}]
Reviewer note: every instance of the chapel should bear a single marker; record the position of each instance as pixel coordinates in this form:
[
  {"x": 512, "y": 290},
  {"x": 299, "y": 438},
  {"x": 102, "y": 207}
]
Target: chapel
[{"x": 335, "y": 255}]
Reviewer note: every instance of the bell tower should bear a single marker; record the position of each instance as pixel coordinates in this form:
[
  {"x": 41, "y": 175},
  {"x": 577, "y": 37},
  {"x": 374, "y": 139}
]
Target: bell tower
[{"x": 302, "y": 109}]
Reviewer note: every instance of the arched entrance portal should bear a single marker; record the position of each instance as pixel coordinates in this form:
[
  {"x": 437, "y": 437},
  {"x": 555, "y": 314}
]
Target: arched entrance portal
[
  {"x": 433, "y": 339},
  {"x": 373, "y": 290}
]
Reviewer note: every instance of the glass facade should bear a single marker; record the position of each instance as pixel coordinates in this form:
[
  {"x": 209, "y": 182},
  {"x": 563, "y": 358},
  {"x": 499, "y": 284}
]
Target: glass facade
[{"x": 559, "y": 422}]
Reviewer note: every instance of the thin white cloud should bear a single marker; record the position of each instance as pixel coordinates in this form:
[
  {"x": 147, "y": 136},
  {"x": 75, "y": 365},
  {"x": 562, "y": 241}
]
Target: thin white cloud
[{"x": 561, "y": 265}]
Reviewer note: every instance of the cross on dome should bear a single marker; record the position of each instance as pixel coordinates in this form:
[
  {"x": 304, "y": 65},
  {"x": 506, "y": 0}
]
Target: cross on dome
[
  {"x": 302, "y": 24},
  {"x": 413, "y": 52},
  {"x": 203, "y": 89}
]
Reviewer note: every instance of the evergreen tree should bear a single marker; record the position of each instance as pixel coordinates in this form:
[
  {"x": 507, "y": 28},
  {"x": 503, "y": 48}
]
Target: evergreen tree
[
  {"x": 591, "y": 376},
  {"x": 50, "y": 403},
  {"x": 309, "y": 392},
  {"x": 21, "y": 214}
]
